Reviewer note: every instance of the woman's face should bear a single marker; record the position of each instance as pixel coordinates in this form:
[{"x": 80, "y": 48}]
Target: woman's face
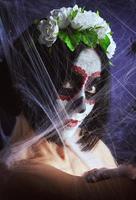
[{"x": 78, "y": 91}]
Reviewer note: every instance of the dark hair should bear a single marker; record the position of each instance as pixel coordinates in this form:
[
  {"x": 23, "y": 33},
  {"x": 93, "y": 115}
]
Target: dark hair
[{"x": 27, "y": 55}]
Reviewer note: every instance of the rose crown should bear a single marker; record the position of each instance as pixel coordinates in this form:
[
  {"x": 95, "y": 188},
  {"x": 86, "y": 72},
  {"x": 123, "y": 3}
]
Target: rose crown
[{"x": 74, "y": 26}]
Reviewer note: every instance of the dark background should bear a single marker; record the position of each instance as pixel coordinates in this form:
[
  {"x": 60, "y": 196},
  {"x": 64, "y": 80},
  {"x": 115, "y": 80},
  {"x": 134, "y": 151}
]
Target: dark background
[{"x": 121, "y": 131}]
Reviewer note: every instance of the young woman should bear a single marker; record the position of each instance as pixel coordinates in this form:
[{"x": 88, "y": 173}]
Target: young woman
[
  {"x": 63, "y": 90},
  {"x": 59, "y": 69}
]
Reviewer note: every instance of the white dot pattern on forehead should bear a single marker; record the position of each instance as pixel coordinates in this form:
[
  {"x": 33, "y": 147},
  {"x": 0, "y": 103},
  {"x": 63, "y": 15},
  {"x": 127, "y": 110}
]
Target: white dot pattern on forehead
[{"x": 89, "y": 60}]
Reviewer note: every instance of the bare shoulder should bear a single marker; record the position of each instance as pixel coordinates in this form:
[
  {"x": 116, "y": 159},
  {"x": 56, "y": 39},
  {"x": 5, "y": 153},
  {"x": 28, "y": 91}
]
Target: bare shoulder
[
  {"x": 45, "y": 182},
  {"x": 102, "y": 152},
  {"x": 40, "y": 182}
]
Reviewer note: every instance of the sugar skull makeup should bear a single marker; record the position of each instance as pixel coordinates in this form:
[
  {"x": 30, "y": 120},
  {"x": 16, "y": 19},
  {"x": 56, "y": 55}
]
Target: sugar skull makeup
[{"x": 79, "y": 89}]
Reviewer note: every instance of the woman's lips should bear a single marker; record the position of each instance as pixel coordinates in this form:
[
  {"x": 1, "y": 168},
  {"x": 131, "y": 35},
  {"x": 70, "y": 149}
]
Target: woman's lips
[{"x": 72, "y": 123}]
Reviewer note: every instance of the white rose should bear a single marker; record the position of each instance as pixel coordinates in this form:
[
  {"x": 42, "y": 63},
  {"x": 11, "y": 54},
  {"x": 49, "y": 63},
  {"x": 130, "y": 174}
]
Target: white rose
[
  {"x": 61, "y": 15},
  {"x": 81, "y": 21},
  {"x": 48, "y": 42},
  {"x": 49, "y": 30},
  {"x": 86, "y": 20},
  {"x": 111, "y": 48},
  {"x": 104, "y": 30},
  {"x": 95, "y": 19}
]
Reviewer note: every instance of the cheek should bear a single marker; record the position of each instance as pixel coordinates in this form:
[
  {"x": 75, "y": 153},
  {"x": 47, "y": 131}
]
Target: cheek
[{"x": 89, "y": 107}]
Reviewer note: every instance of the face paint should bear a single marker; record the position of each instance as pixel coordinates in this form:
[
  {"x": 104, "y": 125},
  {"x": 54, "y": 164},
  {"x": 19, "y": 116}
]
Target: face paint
[{"x": 76, "y": 92}]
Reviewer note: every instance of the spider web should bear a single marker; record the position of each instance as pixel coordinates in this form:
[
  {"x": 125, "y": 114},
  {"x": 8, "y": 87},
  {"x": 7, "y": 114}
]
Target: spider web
[{"x": 121, "y": 134}]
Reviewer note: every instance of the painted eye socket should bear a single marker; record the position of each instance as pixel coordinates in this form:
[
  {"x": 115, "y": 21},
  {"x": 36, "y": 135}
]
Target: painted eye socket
[{"x": 89, "y": 93}]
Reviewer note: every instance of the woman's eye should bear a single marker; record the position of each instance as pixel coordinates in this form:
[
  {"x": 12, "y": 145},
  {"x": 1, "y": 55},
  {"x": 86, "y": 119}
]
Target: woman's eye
[
  {"x": 92, "y": 90},
  {"x": 68, "y": 85}
]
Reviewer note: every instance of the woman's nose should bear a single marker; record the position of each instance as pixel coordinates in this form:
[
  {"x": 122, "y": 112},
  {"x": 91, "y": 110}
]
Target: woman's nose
[{"x": 80, "y": 104}]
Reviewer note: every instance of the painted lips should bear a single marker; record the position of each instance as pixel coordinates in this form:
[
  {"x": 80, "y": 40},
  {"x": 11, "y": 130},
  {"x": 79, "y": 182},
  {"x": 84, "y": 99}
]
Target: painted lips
[{"x": 72, "y": 123}]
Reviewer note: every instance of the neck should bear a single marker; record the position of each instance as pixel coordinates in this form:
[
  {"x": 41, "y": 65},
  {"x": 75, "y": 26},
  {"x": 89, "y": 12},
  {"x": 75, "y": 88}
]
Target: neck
[{"x": 70, "y": 133}]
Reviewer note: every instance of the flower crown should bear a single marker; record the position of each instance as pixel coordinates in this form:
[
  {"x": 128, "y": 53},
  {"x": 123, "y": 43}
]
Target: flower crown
[{"x": 74, "y": 26}]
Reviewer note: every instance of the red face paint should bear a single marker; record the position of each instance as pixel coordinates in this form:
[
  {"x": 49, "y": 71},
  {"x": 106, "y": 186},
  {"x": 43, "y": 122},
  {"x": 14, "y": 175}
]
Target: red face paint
[
  {"x": 80, "y": 71},
  {"x": 96, "y": 74},
  {"x": 67, "y": 98},
  {"x": 91, "y": 101}
]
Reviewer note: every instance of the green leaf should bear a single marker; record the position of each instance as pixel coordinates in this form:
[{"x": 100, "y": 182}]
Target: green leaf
[
  {"x": 111, "y": 64},
  {"x": 80, "y": 28},
  {"x": 57, "y": 19},
  {"x": 66, "y": 39},
  {"x": 104, "y": 43},
  {"x": 111, "y": 33},
  {"x": 98, "y": 13},
  {"x": 89, "y": 38},
  {"x": 76, "y": 38},
  {"x": 83, "y": 9},
  {"x": 73, "y": 14},
  {"x": 97, "y": 27}
]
